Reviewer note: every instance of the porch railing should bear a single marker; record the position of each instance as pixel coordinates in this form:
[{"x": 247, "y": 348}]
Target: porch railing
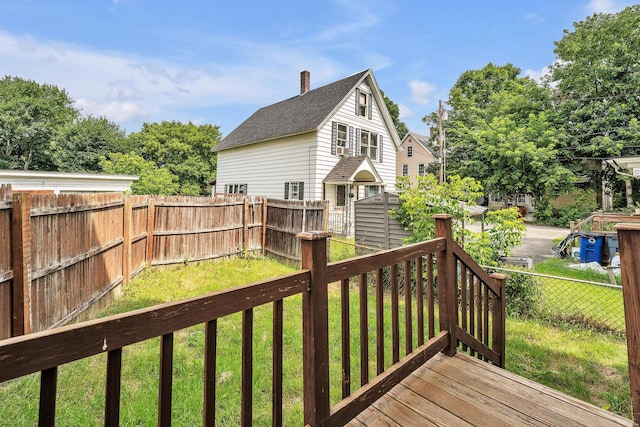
[{"x": 430, "y": 295}]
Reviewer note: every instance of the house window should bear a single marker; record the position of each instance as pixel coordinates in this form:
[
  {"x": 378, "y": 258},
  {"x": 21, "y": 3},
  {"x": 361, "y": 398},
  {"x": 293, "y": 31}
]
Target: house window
[
  {"x": 294, "y": 190},
  {"x": 342, "y": 135},
  {"x": 363, "y": 103},
  {"x": 341, "y": 195},
  {"x": 372, "y": 190},
  {"x": 235, "y": 188},
  {"x": 369, "y": 144},
  {"x": 410, "y": 151},
  {"x": 405, "y": 170},
  {"x": 421, "y": 169}
]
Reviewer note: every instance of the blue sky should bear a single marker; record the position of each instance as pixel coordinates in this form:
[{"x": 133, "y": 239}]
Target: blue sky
[{"x": 216, "y": 62}]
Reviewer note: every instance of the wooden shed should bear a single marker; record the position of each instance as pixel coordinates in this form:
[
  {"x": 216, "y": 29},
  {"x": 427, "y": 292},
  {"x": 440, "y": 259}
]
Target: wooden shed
[{"x": 374, "y": 226}]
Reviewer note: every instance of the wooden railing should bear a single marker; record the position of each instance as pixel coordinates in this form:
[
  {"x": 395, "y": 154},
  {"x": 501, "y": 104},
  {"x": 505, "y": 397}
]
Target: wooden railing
[
  {"x": 430, "y": 295},
  {"x": 629, "y": 238}
]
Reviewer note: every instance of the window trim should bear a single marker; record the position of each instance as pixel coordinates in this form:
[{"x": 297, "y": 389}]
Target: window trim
[
  {"x": 367, "y": 148},
  {"x": 424, "y": 169},
  {"x": 405, "y": 170}
]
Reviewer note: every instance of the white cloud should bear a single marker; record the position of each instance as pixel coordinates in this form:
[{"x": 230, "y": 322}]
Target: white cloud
[
  {"x": 405, "y": 112},
  {"x": 537, "y": 75},
  {"x": 607, "y": 6},
  {"x": 127, "y": 87},
  {"x": 421, "y": 91}
]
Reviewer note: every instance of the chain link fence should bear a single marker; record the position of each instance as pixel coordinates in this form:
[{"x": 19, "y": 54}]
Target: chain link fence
[
  {"x": 585, "y": 303},
  {"x": 591, "y": 304}
]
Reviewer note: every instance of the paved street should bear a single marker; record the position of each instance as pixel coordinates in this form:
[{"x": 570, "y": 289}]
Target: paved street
[{"x": 537, "y": 242}]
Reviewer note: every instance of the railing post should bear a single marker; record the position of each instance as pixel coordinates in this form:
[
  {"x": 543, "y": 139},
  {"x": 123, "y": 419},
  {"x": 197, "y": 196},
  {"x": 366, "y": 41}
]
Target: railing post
[
  {"x": 447, "y": 283},
  {"x": 499, "y": 328},
  {"x": 315, "y": 329},
  {"x": 21, "y": 248},
  {"x": 629, "y": 239}
]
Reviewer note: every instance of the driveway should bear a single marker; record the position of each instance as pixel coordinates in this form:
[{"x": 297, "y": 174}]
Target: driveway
[{"x": 537, "y": 243}]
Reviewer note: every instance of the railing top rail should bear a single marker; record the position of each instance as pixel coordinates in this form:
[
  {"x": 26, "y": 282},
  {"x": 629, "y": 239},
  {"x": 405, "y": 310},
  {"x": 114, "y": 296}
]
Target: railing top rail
[
  {"x": 359, "y": 265},
  {"x": 475, "y": 268},
  {"x": 31, "y": 353},
  {"x": 531, "y": 273}
]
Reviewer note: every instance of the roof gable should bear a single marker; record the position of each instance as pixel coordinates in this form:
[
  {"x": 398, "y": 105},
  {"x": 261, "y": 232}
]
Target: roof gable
[
  {"x": 423, "y": 140},
  {"x": 296, "y": 115}
]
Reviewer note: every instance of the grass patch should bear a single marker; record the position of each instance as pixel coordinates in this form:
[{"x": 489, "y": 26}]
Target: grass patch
[
  {"x": 560, "y": 267},
  {"x": 590, "y": 366}
]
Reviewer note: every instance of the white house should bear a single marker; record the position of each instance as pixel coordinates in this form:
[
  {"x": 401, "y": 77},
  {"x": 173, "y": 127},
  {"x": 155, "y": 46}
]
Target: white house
[
  {"x": 66, "y": 182},
  {"x": 335, "y": 143}
]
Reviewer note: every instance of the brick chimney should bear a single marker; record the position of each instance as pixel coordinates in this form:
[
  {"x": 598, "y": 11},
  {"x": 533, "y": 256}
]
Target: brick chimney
[{"x": 305, "y": 82}]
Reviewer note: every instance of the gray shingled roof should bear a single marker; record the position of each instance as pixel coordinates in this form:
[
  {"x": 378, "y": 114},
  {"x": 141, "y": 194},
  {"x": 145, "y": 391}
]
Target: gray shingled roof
[
  {"x": 344, "y": 169},
  {"x": 292, "y": 116}
]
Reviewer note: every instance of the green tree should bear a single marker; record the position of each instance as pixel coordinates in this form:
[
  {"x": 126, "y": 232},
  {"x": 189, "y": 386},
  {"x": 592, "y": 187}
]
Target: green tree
[
  {"x": 182, "y": 149},
  {"x": 597, "y": 78},
  {"x": 502, "y": 131},
  {"x": 420, "y": 203},
  {"x": 153, "y": 180},
  {"x": 394, "y": 110},
  {"x": 31, "y": 116},
  {"x": 80, "y": 146}
]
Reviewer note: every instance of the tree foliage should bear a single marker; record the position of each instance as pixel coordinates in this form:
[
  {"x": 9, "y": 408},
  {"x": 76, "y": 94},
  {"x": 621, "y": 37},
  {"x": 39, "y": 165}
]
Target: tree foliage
[
  {"x": 31, "y": 116},
  {"x": 502, "y": 131},
  {"x": 394, "y": 110},
  {"x": 81, "y": 145},
  {"x": 184, "y": 150},
  {"x": 597, "y": 76},
  {"x": 420, "y": 203},
  {"x": 153, "y": 179}
]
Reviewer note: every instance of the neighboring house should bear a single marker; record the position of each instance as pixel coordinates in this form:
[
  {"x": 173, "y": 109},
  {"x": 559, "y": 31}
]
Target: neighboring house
[
  {"x": 65, "y": 182},
  {"x": 335, "y": 143},
  {"x": 416, "y": 156}
]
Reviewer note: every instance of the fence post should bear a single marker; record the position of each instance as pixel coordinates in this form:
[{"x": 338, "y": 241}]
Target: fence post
[
  {"x": 447, "y": 284},
  {"x": 315, "y": 328},
  {"x": 499, "y": 327},
  {"x": 151, "y": 219},
  {"x": 629, "y": 240},
  {"x": 264, "y": 225},
  {"x": 245, "y": 226},
  {"x": 21, "y": 255},
  {"x": 127, "y": 224}
]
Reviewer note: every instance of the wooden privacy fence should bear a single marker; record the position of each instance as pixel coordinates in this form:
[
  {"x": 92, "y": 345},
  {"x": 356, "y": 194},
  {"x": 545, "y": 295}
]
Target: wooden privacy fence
[
  {"x": 427, "y": 317},
  {"x": 60, "y": 254}
]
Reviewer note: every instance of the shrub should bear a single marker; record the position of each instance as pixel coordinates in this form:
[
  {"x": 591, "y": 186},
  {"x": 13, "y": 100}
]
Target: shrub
[{"x": 523, "y": 295}]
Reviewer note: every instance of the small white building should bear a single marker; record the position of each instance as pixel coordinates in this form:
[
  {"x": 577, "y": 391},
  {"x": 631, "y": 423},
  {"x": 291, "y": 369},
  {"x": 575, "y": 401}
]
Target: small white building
[
  {"x": 336, "y": 143},
  {"x": 66, "y": 182}
]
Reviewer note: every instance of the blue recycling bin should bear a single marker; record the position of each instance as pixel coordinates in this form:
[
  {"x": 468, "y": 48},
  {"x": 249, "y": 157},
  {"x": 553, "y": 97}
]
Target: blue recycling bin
[{"x": 591, "y": 248}]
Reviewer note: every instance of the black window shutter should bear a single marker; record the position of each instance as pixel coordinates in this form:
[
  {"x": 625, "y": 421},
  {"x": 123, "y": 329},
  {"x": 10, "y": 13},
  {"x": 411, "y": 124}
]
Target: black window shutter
[
  {"x": 351, "y": 153},
  {"x": 226, "y": 188},
  {"x": 357, "y": 102},
  {"x": 380, "y": 139},
  {"x": 301, "y": 190},
  {"x": 334, "y": 137},
  {"x": 358, "y": 142},
  {"x": 369, "y": 105},
  {"x": 286, "y": 191}
]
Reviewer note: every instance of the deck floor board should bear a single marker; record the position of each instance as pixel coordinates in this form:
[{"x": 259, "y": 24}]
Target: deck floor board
[{"x": 463, "y": 391}]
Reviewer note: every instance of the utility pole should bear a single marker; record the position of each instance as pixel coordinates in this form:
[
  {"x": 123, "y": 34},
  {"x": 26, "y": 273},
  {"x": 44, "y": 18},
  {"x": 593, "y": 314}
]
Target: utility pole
[{"x": 441, "y": 139}]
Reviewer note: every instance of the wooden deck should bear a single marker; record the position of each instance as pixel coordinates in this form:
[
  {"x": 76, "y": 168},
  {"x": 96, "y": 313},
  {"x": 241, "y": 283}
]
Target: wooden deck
[{"x": 462, "y": 391}]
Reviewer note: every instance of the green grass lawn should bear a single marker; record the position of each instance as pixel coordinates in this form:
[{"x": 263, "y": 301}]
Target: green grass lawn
[{"x": 588, "y": 365}]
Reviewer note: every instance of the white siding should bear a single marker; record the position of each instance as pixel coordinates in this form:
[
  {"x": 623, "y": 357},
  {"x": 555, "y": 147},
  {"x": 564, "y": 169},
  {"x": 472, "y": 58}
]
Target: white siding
[
  {"x": 265, "y": 167},
  {"x": 346, "y": 114}
]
